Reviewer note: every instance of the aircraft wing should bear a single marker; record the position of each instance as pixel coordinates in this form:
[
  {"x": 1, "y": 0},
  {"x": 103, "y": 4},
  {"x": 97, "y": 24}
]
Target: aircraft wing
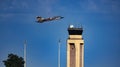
[{"x": 58, "y": 17}]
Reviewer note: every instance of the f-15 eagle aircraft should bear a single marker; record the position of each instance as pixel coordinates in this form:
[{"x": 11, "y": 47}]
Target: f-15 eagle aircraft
[{"x": 41, "y": 20}]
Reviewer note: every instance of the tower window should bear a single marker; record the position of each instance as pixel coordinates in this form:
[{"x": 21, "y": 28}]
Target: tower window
[
  {"x": 81, "y": 43},
  {"x": 72, "y": 46},
  {"x": 72, "y": 55}
]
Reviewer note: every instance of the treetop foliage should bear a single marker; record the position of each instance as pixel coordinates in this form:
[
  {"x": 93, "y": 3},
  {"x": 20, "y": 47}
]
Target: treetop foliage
[{"x": 14, "y": 61}]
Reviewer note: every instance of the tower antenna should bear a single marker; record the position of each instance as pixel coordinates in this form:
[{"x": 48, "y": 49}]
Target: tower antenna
[{"x": 25, "y": 45}]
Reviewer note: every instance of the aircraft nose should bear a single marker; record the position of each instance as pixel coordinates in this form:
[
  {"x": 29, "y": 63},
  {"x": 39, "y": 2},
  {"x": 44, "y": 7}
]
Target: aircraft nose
[{"x": 62, "y": 17}]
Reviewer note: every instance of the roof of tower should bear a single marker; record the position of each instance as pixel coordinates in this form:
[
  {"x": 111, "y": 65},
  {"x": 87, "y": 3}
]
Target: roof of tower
[{"x": 75, "y": 31}]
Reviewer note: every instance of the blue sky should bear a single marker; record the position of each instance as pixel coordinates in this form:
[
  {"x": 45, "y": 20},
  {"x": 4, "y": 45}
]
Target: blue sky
[{"x": 99, "y": 18}]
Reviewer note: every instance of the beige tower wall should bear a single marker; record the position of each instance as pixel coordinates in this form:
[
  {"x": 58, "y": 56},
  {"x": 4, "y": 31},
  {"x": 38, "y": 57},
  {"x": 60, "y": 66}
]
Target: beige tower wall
[{"x": 79, "y": 51}]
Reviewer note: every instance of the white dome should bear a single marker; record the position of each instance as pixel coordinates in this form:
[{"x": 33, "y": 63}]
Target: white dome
[{"x": 71, "y": 26}]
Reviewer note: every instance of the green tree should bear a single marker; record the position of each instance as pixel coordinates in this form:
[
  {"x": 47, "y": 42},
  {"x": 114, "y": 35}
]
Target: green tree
[{"x": 14, "y": 61}]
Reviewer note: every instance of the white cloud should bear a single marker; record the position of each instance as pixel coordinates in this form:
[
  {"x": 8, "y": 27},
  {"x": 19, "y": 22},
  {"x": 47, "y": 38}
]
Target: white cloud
[
  {"x": 46, "y": 6},
  {"x": 101, "y": 6},
  {"x": 6, "y": 15},
  {"x": 13, "y": 4}
]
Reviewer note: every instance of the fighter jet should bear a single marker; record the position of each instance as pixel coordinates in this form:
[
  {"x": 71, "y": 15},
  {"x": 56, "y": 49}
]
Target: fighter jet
[{"x": 41, "y": 20}]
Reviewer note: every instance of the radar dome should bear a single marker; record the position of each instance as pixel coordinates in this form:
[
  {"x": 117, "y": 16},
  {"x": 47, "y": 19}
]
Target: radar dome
[{"x": 71, "y": 26}]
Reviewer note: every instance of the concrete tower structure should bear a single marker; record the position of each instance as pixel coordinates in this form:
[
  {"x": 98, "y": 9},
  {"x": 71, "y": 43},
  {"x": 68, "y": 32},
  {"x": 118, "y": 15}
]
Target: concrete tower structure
[{"x": 75, "y": 47}]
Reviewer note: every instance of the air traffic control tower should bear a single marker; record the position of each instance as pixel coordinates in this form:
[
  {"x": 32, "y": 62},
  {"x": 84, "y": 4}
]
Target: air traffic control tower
[{"x": 75, "y": 47}]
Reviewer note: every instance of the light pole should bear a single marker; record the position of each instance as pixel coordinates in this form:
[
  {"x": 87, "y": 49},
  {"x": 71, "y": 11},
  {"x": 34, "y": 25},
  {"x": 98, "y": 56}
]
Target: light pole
[
  {"x": 59, "y": 53},
  {"x": 25, "y": 45}
]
